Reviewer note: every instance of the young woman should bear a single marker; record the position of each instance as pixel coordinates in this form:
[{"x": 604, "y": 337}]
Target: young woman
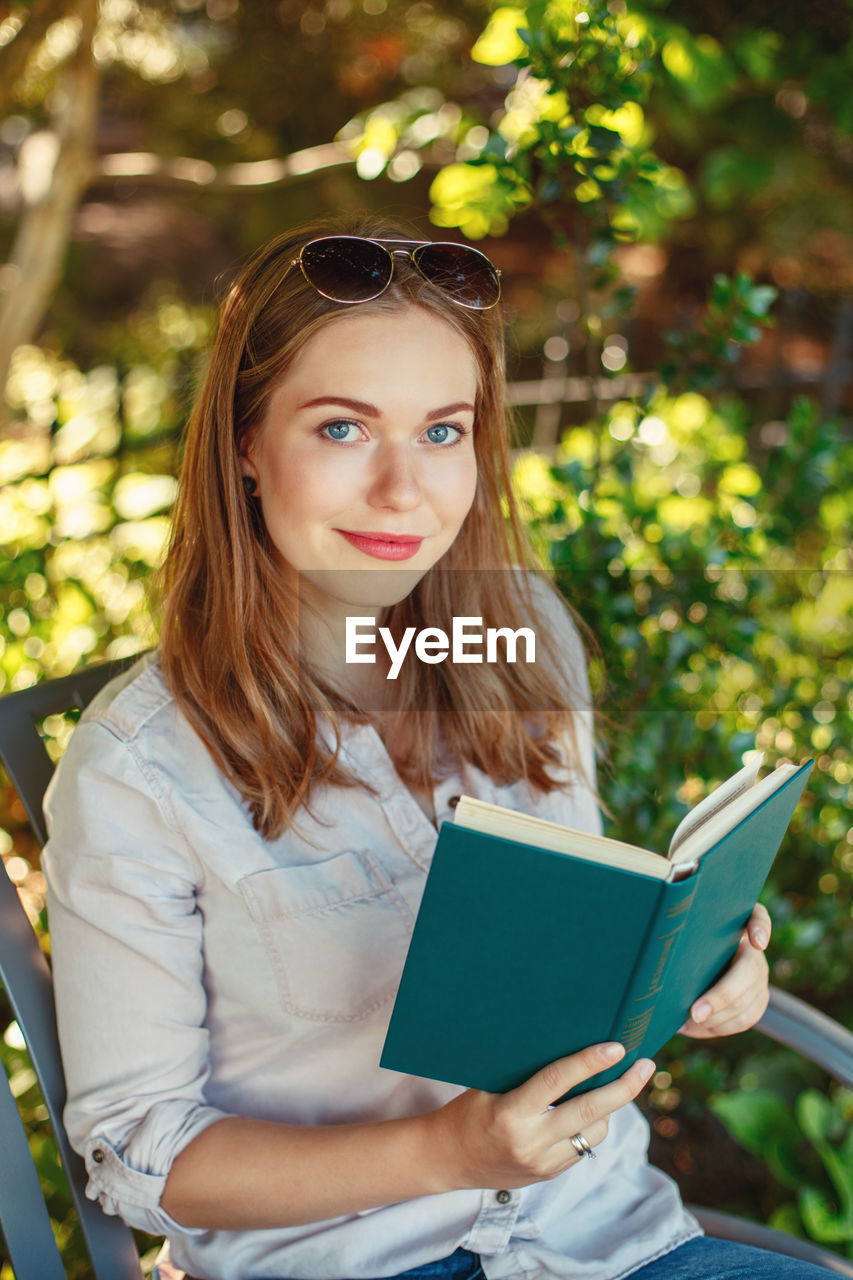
[{"x": 242, "y": 825}]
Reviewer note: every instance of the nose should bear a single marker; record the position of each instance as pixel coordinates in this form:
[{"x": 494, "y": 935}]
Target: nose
[{"x": 394, "y": 482}]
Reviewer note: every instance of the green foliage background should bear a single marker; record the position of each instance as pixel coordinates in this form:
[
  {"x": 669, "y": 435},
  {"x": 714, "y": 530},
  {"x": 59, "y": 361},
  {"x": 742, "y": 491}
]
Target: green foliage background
[{"x": 704, "y": 534}]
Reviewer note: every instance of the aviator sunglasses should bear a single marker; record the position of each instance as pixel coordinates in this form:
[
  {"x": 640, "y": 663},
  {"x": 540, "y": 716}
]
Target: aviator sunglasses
[{"x": 354, "y": 269}]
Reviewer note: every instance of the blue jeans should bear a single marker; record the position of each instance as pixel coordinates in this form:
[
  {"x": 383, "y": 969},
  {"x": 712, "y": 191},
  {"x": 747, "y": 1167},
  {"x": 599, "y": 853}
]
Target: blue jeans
[
  {"x": 701, "y": 1259},
  {"x": 461, "y": 1265}
]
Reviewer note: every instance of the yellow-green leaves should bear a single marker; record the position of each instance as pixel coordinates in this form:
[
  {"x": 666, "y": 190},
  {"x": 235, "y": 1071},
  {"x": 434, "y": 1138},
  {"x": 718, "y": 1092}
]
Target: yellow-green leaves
[
  {"x": 500, "y": 42},
  {"x": 573, "y": 130},
  {"x": 628, "y": 121},
  {"x": 475, "y": 198}
]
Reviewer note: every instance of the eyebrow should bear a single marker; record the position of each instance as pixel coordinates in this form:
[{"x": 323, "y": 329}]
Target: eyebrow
[{"x": 371, "y": 411}]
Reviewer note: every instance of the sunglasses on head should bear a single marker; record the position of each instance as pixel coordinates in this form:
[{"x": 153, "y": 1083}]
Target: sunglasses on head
[{"x": 354, "y": 269}]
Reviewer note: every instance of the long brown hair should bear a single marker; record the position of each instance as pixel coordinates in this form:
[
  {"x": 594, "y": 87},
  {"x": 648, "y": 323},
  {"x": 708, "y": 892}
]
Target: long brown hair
[{"x": 229, "y": 634}]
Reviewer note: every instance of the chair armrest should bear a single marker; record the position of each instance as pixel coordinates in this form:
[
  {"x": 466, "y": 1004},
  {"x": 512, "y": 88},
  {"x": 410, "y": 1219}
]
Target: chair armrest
[
  {"x": 817, "y": 1037},
  {"x": 725, "y": 1226}
]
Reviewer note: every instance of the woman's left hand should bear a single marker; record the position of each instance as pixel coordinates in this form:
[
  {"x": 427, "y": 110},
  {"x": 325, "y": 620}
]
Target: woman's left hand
[{"x": 740, "y": 997}]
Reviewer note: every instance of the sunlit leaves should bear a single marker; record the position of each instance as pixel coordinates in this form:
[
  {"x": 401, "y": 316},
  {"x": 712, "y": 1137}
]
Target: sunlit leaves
[
  {"x": 137, "y": 495},
  {"x": 572, "y": 132},
  {"x": 392, "y": 135},
  {"x": 573, "y": 129},
  {"x": 500, "y": 42},
  {"x": 81, "y": 526},
  {"x": 143, "y": 38},
  {"x": 145, "y": 402},
  {"x": 701, "y": 67},
  {"x": 23, "y": 457},
  {"x": 628, "y": 121},
  {"x": 478, "y": 199}
]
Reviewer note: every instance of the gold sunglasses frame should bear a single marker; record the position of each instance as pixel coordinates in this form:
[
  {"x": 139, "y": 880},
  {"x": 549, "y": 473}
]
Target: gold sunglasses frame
[{"x": 409, "y": 252}]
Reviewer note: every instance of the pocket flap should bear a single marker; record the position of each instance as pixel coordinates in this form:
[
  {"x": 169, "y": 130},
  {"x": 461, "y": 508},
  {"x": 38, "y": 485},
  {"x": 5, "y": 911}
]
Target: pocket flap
[{"x": 284, "y": 892}]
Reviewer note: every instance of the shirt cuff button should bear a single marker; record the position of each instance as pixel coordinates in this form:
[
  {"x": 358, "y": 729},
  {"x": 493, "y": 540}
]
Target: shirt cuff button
[
  {"x": 98, "y": 1156},
  {"x": 503, "y": 1197}
]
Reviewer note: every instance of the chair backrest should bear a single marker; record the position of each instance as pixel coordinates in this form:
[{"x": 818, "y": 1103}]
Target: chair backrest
[{"x": 25, "y": 975}]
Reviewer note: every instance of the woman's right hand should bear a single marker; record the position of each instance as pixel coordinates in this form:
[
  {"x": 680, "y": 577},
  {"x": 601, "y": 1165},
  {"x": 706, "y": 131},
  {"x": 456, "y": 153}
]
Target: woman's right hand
[{"x": 512, "y": 1139}]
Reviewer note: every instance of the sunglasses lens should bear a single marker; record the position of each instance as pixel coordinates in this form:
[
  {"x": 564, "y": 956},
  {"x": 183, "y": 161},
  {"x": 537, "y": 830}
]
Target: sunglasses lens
[
  {"x": 346, "y": 269},
  {"x": 465, "y": 274}
]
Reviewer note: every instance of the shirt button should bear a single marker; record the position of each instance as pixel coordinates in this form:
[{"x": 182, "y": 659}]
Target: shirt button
[
  {"x": 503, "y": 1197},
  {"x": 98, "y": 1156},
  {"x": 453, "y": 802}
]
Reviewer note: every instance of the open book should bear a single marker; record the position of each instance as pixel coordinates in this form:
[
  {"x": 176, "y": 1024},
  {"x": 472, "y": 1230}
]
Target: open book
[
  {"x": 534, "y": 940},
  {"x": 698, "y": 831}
]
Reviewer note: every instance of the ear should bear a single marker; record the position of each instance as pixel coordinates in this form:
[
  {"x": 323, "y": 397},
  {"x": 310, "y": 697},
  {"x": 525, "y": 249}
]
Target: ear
[{"x": 245, "y": 449}]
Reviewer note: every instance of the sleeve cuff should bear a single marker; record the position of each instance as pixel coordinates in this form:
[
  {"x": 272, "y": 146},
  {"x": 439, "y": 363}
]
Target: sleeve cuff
[{"x": 132, "y": 1194}]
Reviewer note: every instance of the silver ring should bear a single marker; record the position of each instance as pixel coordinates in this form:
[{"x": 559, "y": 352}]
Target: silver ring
[{"x": 581, "y": 1145}]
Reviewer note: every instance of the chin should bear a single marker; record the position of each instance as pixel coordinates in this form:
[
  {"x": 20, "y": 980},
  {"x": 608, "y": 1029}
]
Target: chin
[{"x": 368, "y": 588}]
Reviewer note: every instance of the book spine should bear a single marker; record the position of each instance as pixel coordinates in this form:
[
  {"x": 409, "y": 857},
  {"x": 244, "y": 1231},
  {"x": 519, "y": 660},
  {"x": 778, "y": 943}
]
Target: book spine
[{"x": 638, "y": 1004}]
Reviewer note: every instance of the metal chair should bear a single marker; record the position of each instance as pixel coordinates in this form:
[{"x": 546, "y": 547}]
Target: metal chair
[{"x": 25, "y": 975}]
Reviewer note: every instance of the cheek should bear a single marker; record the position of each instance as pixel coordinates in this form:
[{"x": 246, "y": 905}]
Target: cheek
[
  {"x": 308, "y": 485},
  {"x": 460, "y": 491}
]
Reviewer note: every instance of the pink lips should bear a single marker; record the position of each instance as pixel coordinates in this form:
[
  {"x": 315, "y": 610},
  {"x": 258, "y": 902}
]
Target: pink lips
[{"x": 383, "y": 546}]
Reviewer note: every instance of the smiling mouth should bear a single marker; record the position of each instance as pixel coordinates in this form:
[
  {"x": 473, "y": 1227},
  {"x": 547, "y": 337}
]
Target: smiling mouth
[{"x": 383, "y": 546}]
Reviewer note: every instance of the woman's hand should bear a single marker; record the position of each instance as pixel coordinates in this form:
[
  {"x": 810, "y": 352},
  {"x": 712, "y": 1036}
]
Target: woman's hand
[
  {"x": 740, "y": 997},
  {"x": 511, "y": 1139}
]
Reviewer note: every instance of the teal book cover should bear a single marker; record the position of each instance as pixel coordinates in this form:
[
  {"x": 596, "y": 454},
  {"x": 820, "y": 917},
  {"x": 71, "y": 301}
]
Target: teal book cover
[{"x": 521, "y": 955}]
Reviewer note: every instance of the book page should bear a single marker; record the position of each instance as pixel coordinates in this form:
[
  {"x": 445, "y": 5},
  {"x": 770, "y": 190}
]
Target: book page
[
  {"x": 713, "y": 803},
  {"x": 495, "y": 820},
  {"x": 726, "y": 817}
]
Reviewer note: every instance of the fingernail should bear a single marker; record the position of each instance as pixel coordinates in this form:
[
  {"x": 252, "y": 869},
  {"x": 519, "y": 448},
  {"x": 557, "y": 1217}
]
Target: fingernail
[
  {"x": 645, "y": 1069},
  {"x": 700, "y": 1011},
  {"x": 760, "y": 936},
  {"x": 613, "y": 1052}
]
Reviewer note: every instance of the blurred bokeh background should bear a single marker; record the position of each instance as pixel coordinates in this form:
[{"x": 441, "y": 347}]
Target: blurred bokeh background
[{"x": 667, "y": 187}]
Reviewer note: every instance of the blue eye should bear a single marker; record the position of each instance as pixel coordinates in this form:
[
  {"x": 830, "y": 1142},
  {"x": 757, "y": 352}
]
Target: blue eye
[
  {"x": 439, "y": 433},
  {"x": 337, "y": 430}
]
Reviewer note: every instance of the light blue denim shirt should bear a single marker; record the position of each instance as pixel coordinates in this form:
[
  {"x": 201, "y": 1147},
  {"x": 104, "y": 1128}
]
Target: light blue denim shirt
[{"x": 202, "y": 972}]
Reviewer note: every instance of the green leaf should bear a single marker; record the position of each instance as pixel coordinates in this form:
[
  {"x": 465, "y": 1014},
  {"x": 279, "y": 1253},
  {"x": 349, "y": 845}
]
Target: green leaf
[
  {"x": 761, "y": 299},
  {"x": 821, "y": 1216},
  {"x": 721, "y": 291},
  {"x": 814, "y": 1113},
  {"x": 501, "y": 42},
  {"x": 759, "y": 1120},
  {"x": 787, "y": 1218}
]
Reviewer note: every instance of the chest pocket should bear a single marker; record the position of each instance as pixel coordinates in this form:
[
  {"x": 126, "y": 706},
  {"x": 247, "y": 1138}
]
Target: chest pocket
[{"x": 336, "y": 931}]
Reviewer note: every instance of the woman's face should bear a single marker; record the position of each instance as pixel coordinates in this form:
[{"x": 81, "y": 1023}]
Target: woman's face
[{"x": 364, "y": 461}]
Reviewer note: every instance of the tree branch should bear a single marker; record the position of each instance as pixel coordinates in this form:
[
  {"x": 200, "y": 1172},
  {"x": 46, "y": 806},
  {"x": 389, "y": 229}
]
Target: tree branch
[
  {"x": 60, "y": 169},
  {"x": 146, "y": 168},
  {"x": 184, "y": 171}
]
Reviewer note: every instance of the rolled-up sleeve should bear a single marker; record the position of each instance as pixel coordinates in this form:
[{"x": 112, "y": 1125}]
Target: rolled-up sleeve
[{"x": 126, "y": 946}]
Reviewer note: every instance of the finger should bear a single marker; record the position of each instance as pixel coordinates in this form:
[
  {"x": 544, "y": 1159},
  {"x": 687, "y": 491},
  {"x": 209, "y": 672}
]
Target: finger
[
  {"x": 741, "y": 1020},
  {"x": 747, "y": 971},
  {"x": 557, "y": 1078},
  {"x": 594, "y": 1134},
  {"x": 759, "y": 927},
  {"x": 722, "y": 1003},
  {"x": 590, "y": 1108}
]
